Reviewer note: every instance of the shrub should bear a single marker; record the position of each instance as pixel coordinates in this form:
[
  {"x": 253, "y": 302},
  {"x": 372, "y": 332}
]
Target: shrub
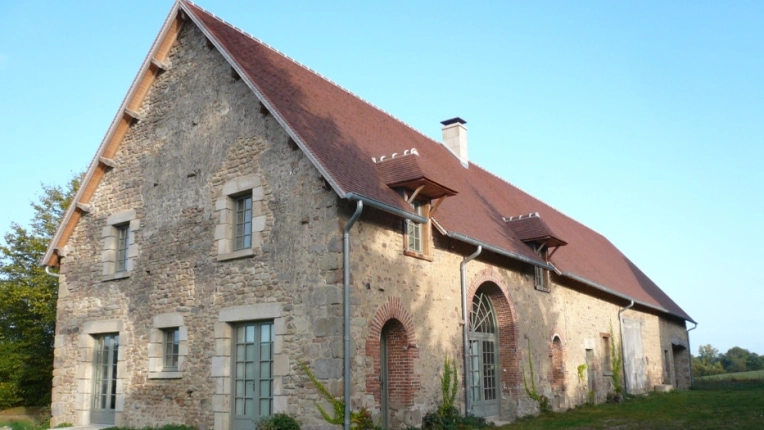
[{"x": 278, "y": 422}]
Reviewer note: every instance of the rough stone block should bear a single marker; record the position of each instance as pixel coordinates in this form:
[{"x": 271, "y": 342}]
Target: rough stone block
[
  {"x": 327, "y": 368},
  {"x": 327, "y": 327}
]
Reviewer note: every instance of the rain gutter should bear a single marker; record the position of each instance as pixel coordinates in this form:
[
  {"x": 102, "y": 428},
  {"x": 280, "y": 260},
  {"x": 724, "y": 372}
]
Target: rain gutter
[
  {"x": 385, "y": 207},
  {"x": 466, "y": 329},
  {"x": 346, "y": 308}
]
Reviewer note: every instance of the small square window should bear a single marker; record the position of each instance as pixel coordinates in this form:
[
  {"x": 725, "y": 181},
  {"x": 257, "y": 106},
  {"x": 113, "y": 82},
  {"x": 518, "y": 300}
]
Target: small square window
[
  {"x": 416, "y": 237},
  {"x": 243, "y": 225},
  {"x": 414, "y": 231},
  {"x": 122, "y": 247},
  {"x": 171, "y": 344}
]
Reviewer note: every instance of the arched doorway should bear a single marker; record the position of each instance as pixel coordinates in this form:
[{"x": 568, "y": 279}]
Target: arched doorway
[
  {"x": 557, "y": 373},
  {"x": 394, "y": 373},
  {"x": 391, "y": 346},
  {"x": 484, "y": 382}
]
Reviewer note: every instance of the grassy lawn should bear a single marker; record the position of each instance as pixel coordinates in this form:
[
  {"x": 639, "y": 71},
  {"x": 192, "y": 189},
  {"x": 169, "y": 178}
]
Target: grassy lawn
[
  {"x": 717, "y": 405},
  {"x": 21, "y": 418},
  {"x": 754, "y": 374}
]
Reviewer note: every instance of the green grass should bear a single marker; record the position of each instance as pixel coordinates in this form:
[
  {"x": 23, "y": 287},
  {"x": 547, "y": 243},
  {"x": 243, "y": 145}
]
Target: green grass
[
  {"x": 754, "y": 374},
  {"x": 720, "y": 405},
  {"x": 23, "y": 425},
  {"x": 29, "y": 418}
]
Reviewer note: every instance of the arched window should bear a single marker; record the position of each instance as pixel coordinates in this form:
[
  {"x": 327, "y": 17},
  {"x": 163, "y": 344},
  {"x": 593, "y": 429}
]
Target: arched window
[{"x": 483, "y": 352}]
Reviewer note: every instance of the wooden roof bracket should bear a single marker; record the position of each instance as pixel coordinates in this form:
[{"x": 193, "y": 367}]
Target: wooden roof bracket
[
  {"x": 436, "y": 206},
  {"x": 416, "y": 192},
  {"x": 554, "y": 249}
]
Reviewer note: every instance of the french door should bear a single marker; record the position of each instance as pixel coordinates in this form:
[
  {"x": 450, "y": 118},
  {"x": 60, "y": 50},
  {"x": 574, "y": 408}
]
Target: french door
[
  {"x": 483, "y": 358},
  {"x": 104, "y": 379},
  {"x": 252, "y": 368}
]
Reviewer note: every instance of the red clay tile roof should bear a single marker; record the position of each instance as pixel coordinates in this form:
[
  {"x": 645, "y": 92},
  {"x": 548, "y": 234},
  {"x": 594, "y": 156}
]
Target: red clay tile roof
[
  {"x": 410, "y": 171},
  {"x": 342, "y": 132},
  {"x": 531, "y": 228}
]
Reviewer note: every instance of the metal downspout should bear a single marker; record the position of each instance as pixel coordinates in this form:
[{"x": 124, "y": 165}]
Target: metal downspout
[
  {"x": 47, "y": 270},
  {"x": 623, "y": 349},
  {"x": 346, "y": 306},
  {"x": 466, "y": 328},
  {"x": 690, "y": 350}
]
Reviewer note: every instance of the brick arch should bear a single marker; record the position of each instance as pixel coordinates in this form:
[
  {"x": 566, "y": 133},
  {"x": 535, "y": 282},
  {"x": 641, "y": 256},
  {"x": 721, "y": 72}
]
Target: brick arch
[
  {"x": 557, "y": 355},
  {"x": 489, "y": 281},
  {"x": 393, "y": 318}
]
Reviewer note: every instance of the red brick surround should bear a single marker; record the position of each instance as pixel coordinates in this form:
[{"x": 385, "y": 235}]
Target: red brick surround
[
  {"x": 394, "y": 321},
  {"x": 489, "y": 281}
]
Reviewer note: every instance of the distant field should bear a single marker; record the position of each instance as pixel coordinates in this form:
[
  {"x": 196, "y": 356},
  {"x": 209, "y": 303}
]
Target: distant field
[
  {"x": 754, "y": 374},
  {"x": 711, "y": 405}
]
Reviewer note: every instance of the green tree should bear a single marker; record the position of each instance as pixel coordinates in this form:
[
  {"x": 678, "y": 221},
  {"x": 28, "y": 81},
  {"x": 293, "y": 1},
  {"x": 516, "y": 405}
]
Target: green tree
[
  {"x": 735, "y": 360},
  {"x": 28, "y": 302}
]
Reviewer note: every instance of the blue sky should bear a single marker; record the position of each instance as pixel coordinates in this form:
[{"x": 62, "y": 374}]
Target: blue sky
[{"x": 643, "y": 120}]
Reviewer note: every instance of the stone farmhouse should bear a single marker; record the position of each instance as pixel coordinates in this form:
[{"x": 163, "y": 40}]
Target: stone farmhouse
[{"x": 244, "y": 215}]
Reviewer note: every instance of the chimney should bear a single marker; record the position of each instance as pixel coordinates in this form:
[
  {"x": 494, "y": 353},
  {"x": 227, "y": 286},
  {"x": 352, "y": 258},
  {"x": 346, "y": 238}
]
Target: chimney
[{"x": 455, "y": 138}]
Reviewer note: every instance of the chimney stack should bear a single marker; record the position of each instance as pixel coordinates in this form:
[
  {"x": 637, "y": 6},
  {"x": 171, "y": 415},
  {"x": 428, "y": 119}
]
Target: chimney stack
[{"x": 455, "y": 138}]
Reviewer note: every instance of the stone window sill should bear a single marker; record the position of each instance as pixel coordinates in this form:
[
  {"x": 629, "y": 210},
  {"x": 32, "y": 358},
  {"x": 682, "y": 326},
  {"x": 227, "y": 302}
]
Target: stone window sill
[
  {"x": 242, "y": 253},
  {"x": 607, "y": 373},
  {"x": 115, "y": 276},
  {"x": 166, "y": 375}
]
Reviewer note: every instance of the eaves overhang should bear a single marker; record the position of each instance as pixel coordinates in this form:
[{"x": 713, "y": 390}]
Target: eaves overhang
[
  {"x": 612, "y": 292},
  {"x": 97, "y": 166}
]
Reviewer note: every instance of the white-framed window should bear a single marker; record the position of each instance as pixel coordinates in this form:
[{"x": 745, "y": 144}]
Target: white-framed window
[
  {"x": 240, "y": 218},
  {"x": 120, "y": 249},
  {"x": 417, "y": 236}
]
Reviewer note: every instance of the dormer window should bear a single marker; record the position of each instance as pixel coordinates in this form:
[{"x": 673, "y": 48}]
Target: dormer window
[
  {"x": 417, "y": 239},
  {"x": 414, "y": 232},
  {"x": 535, "y": 233},
  {"x": 541, "y": 278}
]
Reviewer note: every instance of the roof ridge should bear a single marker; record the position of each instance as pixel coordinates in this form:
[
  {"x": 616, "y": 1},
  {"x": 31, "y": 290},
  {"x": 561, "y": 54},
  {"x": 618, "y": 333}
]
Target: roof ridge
[
  {"x": 315, "y": 72},
  {"x": 541, "y": 201}
]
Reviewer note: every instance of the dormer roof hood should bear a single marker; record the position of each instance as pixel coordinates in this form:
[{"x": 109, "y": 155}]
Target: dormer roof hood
[
  {"x": 531, "y": 228},
  {"x": 411, "y": 172}
]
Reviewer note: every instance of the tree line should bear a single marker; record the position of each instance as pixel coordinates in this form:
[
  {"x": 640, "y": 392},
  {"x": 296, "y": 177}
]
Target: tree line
[
  {"x": 710, "y": 361},
  {"x": 28, "y": 298}
]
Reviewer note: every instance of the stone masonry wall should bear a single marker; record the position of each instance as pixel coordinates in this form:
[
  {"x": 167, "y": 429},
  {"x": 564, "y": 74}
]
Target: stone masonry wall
[
  {"x": 430, "y": 293},
  {"x": 201, "y": 128}
]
